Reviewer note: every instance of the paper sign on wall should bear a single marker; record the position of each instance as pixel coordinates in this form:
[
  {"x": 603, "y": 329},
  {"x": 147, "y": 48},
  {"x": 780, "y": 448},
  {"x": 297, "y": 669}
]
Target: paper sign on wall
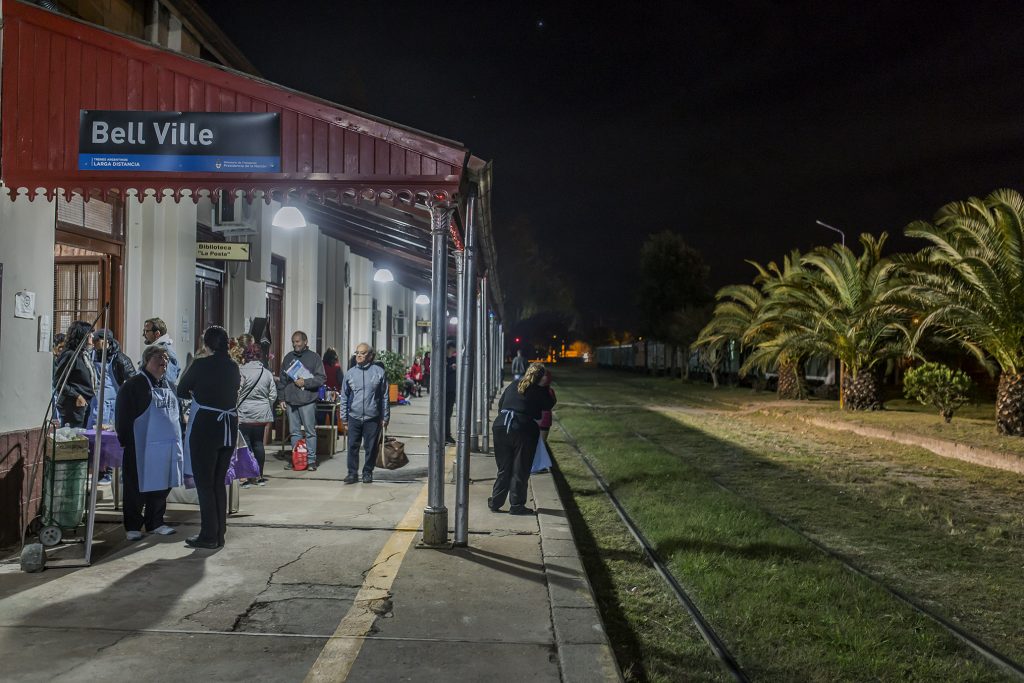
[
  {"x": 25, "y": 304},
  {"x": 45, "y": 334}
]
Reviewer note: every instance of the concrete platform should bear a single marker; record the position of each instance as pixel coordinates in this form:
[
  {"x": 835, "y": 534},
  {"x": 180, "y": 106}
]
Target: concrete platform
[{"x": 319, "y": 581}]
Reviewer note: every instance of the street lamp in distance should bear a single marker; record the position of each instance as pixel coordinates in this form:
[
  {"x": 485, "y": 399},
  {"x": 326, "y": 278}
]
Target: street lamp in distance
[{"x": 842, "y": 234}]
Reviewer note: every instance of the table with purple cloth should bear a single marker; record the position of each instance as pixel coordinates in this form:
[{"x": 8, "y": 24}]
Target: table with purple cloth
[{"x": 111, "y": 452}]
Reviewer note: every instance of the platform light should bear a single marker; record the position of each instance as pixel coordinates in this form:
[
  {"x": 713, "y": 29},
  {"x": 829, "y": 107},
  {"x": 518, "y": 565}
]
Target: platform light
[
  {"x": 289, "y": 217},
  {"x": 383, "y": 275},
  {"x": 453, "y": 320},
  {"x": 422, "y": 300}
]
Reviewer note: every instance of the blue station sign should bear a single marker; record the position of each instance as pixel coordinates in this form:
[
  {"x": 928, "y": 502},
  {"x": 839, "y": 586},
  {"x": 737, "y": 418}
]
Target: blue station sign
[{"x": 179, "y": 142}]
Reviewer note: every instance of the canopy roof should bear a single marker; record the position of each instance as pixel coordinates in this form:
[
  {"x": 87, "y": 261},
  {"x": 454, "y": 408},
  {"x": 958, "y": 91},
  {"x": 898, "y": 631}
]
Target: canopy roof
[{"x": 55, "y": 66}]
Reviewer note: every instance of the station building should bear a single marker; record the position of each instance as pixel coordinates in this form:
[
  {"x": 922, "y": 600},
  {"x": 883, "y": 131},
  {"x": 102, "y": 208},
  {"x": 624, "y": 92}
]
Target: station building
[{"x": 157, "y": 243}]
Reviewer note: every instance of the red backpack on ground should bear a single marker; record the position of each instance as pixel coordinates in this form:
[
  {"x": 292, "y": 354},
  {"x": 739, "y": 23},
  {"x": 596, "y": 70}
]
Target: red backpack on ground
[{"x": 300, "y": 455}]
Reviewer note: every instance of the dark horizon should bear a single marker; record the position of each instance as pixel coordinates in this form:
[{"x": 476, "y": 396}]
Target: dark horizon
[{"x": 737, "y": 127}]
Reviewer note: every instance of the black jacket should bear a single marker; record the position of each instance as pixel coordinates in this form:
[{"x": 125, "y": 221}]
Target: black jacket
[
  {"x": 213, "y": 381},
  {"x": 451, "y": 376},
  {"x": 293, "y": 394},
  {"x": 120, "y": 363},
  {"x": 133, "y": 399},
  {"x": 80, "y": 381},
  {"x": 536, "y": 400}
]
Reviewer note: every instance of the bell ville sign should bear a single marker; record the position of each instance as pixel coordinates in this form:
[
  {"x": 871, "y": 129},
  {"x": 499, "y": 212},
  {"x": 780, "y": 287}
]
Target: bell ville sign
[{"x": 179, "y": 141}]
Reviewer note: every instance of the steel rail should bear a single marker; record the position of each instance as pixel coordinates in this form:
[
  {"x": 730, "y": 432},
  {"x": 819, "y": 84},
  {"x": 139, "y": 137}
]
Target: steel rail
[
  {"x": 1008, "y": 665},
  {"x": 719, "y": 649}
]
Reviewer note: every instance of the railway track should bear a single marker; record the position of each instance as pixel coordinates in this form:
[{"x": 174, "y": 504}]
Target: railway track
[{"x": 726, "y": 658}]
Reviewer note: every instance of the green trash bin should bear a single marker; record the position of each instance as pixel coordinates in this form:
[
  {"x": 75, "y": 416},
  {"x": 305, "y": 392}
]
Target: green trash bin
[{"x": 64, "y": 489}]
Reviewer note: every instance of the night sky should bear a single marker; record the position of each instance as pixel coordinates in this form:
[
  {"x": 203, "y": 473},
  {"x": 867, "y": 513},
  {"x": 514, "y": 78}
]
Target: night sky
[{"x": 735, "y": 124}]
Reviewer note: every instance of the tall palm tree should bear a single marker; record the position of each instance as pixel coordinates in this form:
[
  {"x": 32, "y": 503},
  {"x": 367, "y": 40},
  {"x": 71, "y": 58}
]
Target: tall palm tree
[
  {"x": 836, "y": 306},
  {"x": 740, "y": 317},
  {"x": 735, "y": 311},
  {"x": 969, "y": 283},
  {"x": 789, "y": 361}
]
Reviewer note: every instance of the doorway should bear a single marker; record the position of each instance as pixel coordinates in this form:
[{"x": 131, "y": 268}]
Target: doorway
[
  {"x": 209, "y": 301},
  {"x": 88, "y": 269},
  {"x": 275, "y": 311}
]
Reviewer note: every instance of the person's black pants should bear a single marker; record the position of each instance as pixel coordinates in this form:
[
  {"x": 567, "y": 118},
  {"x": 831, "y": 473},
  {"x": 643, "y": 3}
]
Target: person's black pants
[
  {"x": 253, "y": 434},
  {"x": 141, "y": 509},
  {"x": 449, "y": 408},
  {"x": 210, "y": 461},
  {"x": 368, "y": 434},
  {"x": 514, "y": 448},
  {"x": 74, "y": 416}
]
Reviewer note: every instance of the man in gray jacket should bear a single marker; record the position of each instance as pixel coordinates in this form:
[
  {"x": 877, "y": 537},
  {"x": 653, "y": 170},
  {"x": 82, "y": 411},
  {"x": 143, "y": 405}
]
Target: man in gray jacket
[
  {"x": 300, "y": 388},
  {"x": 364, "y": 410}
]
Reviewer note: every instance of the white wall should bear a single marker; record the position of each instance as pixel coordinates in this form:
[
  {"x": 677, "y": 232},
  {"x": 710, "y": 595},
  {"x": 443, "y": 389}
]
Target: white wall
[
  {"x": 160, "y": 267},
  {"x": 361, "y": 279},
  {"x": 26, "y": 251},
  {"x": 298, "y": 246},
  {"x": 333, "y": 293}
]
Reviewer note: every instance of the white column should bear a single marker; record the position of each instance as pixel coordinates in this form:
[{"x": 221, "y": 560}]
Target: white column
[{"x": 26, "y": 252}]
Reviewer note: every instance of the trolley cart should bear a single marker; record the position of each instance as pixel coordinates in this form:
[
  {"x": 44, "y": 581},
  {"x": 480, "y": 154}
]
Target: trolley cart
[{"x": 65, "y": 488}]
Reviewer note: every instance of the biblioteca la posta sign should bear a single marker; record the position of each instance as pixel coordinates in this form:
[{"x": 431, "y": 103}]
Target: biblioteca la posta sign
[{"x": 179, "y": 141}]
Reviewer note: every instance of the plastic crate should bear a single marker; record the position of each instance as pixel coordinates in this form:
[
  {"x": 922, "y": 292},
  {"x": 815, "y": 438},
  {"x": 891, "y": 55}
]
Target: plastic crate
[{"x": 76, "y": 449}]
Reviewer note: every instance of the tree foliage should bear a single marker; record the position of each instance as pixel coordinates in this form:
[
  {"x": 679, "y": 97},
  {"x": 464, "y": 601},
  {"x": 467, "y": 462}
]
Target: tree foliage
[{"x": 673, "y": 277}]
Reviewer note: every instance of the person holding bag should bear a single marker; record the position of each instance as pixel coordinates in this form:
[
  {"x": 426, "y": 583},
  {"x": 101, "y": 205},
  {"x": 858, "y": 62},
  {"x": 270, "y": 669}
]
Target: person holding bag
[
  {"x": 212, "y": 383},
  {"x": 516, "y": 435},
  {"x": 258, "y": 393}
]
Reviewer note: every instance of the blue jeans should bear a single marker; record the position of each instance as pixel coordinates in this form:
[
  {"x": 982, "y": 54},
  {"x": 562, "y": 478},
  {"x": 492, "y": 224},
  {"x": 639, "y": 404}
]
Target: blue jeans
[
  {"x": 303, "y": 416},
  {"x": 369, "y": 434}
]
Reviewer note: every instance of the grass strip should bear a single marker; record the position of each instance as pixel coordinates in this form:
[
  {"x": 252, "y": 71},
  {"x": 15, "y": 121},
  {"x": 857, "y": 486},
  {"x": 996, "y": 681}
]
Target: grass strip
[
  {"x": 652, "y": 636},
  {"x": 787, "y": 611}
]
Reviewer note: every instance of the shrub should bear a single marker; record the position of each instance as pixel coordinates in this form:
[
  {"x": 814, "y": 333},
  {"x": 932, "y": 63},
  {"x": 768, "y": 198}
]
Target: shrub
[
  {"x": 394, "y": 366},
  {"x": 937, "y": 385}
]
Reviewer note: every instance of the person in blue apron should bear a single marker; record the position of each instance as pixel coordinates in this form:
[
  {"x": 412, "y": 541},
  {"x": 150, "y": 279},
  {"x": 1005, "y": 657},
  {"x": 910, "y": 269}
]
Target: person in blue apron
[
  {"x": 212, "y": 383},
  {"x": 515, "y": 438},
  {"x": 146, "y": 417}
]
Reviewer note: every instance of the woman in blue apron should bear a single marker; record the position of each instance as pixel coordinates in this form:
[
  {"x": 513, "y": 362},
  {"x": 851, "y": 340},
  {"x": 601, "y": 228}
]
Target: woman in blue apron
[
  {"x": 515, "y": 439},
  {"x": 147, "y": 418},
  {"x": 212, "y": 384}
]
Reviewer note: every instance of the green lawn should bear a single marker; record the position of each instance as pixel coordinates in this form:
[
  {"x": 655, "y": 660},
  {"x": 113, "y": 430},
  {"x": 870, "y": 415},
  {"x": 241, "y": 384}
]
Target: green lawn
[{"x": 946, "y": 532}]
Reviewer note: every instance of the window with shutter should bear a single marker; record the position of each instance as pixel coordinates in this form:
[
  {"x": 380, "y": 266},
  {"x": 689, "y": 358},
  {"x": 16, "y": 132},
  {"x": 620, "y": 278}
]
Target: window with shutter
[{"x": 95, "y": 214}]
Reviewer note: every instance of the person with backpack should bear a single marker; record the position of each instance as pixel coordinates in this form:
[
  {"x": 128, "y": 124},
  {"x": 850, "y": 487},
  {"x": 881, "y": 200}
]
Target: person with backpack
[{"x": 257, "y": 395}]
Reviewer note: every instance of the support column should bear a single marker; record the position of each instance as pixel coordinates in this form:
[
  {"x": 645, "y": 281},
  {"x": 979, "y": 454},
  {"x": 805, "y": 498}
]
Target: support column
[
  {"x": 435, "y": 515},
  {"x": 485, "y": 374},
  {"x": 465, "y": 398},
  {"x": 478, "y": 407}
]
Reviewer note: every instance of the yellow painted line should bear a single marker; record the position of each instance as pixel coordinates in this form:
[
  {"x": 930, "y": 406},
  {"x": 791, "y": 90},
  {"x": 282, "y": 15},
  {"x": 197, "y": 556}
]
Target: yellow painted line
[{"x": 339, "y": 654}]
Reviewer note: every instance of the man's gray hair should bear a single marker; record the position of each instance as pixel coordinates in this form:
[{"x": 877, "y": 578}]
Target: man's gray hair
[{"x": 150, "y": 351}]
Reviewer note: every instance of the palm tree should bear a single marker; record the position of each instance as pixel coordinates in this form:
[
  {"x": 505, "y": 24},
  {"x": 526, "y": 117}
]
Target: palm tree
[
  {"x": 767, "y": 325},
  {"x": 835, "y": 305},
  {"x": 740, "y": 317},
  {"x": 733, "y": 315},
  {"x": 969, "y": 284}
]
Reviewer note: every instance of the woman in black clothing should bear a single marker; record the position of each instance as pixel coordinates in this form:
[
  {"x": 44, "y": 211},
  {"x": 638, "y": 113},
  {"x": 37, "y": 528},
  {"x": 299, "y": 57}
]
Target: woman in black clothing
[
  {"x": 80, "y": 388},
  {"x": 212, "y": 383},
  {"x": 515, "y": 438}
]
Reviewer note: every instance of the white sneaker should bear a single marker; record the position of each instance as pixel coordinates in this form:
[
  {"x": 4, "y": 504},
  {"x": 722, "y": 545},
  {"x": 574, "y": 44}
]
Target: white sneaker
[
  {"x": 134, "y": 535},
  {"x": 165, "y": 530}
]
